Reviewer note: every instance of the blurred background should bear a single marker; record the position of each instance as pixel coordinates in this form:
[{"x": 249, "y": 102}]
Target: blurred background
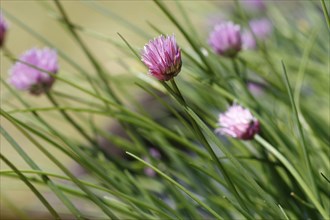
[
  {"x": 102, "y": 20},
  {"x": 100, "y": 16}
]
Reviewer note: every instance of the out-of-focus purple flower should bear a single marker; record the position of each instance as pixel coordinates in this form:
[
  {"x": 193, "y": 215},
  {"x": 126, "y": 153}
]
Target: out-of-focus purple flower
[
  {"x": 254, "y": 4},
  {"x": 149, "y": 172},
  {"x": 239, "y": 123},
  {"x": 225, "y": 39},
  {"x": 248, "y": 41},
  {"x": 156, "y": 155},
  {"x": 25, "y": 77},
  {"x": 163, "y": 57},
  {"x": 3, "y": 29},
  {"x": 255, "y": 88},
  {"x": 261, "y": 28}
]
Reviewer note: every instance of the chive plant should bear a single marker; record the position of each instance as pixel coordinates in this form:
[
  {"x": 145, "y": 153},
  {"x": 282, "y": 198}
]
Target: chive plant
[{"x": 227, "y": 122}]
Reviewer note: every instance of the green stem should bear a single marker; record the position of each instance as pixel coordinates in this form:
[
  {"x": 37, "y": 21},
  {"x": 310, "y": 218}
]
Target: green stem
[
  {"x": 92, "y": 196},
  {"x": 33, "y": 189},
  {"x": 96, "y": 65},
  {"x": 325, "y": 12},
  {"x": 103, "y": 189},
  {"x": 44, "y": 178},
  {"x": 294, "y": 173},
  {"x": 71, "y": 120},
  {"x": 302, "y": 136},
  {"x": 241, "y": 82},
  {"x": 203, "y": 140},
  {"x": 191, "y": 195}
]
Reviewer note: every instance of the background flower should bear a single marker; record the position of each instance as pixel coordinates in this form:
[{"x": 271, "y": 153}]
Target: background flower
[
  {"x": 261, "y": 28},
  {"x": 225, "y": 39},
  {"x": 239, "y": 123},
  {"x": 25, "y": 77},
  {"x": 3, "y": 29}
]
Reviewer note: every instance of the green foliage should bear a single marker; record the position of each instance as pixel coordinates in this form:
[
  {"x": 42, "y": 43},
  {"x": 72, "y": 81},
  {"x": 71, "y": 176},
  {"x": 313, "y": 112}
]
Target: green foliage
[{"x": 283, "y": 173}]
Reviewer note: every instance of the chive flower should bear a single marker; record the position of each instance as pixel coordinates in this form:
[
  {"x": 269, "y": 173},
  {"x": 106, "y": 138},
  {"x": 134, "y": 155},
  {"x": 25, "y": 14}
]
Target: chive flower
[
  {"x": 3, "y": 29},
  {"x": 261, "y": 28},
  {"x": 238, "y": 122},
  {"x": 255, "y": 88},
  {"x": 163, "y": 57},
  {"x": 225, "y": 39},
  {"x": 154, "y": 153},
  {"x": 25, "y": 77}
]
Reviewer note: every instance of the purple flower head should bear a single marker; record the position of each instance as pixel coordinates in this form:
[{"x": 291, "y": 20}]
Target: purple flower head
[
  {"x": 239, "y": 123},
  {"x": 261, "y": 28},
  {"x": 255, "y": 88},
  {"x": 225, "y": 39},
  {"x": 157, "y": 156},
  {"x": 25, "y": 77},
  {"x": 248, "y": 41},
  {"x": 155, "y": 153},
  {"x": 3, "y": 29},
  {"x": 163, "y": 57}
]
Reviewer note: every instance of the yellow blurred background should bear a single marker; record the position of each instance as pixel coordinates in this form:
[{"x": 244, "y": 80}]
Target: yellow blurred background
[{"x": 35, "y": 15}]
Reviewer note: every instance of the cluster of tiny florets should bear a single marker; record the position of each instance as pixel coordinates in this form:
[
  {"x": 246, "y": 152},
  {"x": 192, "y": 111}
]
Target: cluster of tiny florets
[
  {"x": 163, "y": 57},
  {"x": 238, "y": 122},
  {"x": 33, "y": 70}
]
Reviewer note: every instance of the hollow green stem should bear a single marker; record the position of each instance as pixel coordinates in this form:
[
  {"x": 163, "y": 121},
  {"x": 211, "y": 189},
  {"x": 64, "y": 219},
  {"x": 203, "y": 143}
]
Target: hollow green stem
[
  {"x": 325, "y": 12},
  {"x": 294, "y": 173},
  {"x": 88, "y": 53},
  {"x": 302, "y": 136},
  {"x": 177, "y": 94},
  {"x": 71, "y": 120},
  {"x": 33, "y": 189},
  {"x": 177, "y": 185}
]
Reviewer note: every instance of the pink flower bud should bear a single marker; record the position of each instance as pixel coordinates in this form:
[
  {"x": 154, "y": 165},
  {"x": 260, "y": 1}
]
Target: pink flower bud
[
  {"x": 3, "y": 29},
  {"x": 239, "y": 123},
  {"x": 225, "y": 39},
  {"x": 261, "y": 28},
  {"x": 163, "y": 57}
]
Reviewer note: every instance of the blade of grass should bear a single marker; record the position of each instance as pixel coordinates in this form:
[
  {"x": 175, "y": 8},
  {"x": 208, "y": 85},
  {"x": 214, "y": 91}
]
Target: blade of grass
[
  {"x": 294, "y": 173},
  {"x": 328, "y": 180},
  {"x": 306, "y": 158},
  {"x": 62, "y": 167},
  {"x": 144, "y": 122},
  {"x": 129, "y": 46},
  {"x": 33, "y": 189},
  {"x": 72, "y": 121},
  {"x": 238, "y": 166},
  {"x": 284, "y": 214},
  {"x": 202, "y": 204},
  {"x": 178, "y": 96},
  {"x": 93, "y": 185},
  {"x": 99, "y": 70},
  {"x": 45, "y": 178},
  {"x": 325, "y": 12},
  {"x": 58, "y": 50}
]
